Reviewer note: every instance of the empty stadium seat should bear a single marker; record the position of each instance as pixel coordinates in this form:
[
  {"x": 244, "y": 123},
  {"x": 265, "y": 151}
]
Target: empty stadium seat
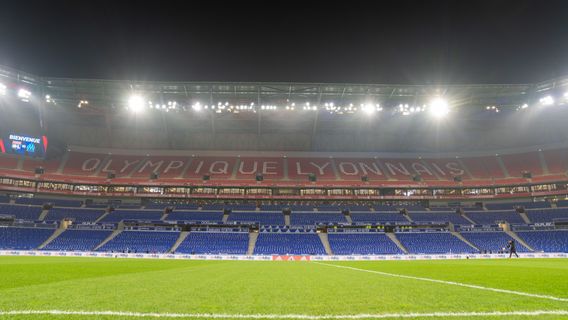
[
  {"x": 288, "y": 243},
  {"x": 491, "y": 241},
  {"x": 433, "y": 242},
  {"x": 141, "y": 242},
  {"x": 547, "y": 241},
  {"x": 264, "y": 218},
  {"x": 438, "y": 217},
  {"x": 78, "y": 240},
  {"x": 215, "y": 243},
  {"x": 13, "y": 238},
  {"x": 195, "y": 216},
  {"x": 361, "y": 243},
  {"x": 305, "y": 219},
  {"x": 120, "y": 215},
  {"x": 21, "y": 211},
  {"x": 493, "y": 217},
  {"x": 78, "y": 214},
  {"x": 362, "y": 217}
]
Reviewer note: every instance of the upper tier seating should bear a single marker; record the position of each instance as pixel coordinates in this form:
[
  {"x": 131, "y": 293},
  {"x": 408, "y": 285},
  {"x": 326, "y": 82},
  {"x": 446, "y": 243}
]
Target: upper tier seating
[
  {"x": 491, "y": 241},
  {"x": 31, "y": 213},
  {"x": 305, "y": 219},
  {"x": 438, "y": 217},
  {"x": 141, "y": 242},
  {"x": 77, "y": 214},
  {"x": 547, "y": 241},
  {"x": 13, "y": 238},
  {"x": 265, "y": 218},
  {"x": 547, "y": 215},
  {"x": 195, "y": 216},
  {"x": 120, "y": 215},
  {"x": 433, "y": 242},
  {"x": 4, "y": 199},
  {"x": 215, "y": 243},
  {"x": 288, "y": 243},
  {"x": 363, "y": 217},
  {"x": 361, "y": 243},
  {"x": 54, "y": 202},
  {"x": 493, "y": 217},
  {"x": 78, "y": 240}
]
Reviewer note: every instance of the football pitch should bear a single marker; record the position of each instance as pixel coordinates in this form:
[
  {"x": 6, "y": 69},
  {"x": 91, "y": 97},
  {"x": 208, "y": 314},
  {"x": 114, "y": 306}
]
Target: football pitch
[{"x": 106, "y": 288}]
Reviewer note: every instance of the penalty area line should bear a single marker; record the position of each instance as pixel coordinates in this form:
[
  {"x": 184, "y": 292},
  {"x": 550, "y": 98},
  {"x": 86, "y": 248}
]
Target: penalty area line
[
  {"x": 453, "y": 283},
  {"x": 284, "y": 316}
]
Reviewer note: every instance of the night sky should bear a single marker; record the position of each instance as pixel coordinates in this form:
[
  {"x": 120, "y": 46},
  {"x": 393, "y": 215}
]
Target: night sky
[{"x": 409, "y": 42}]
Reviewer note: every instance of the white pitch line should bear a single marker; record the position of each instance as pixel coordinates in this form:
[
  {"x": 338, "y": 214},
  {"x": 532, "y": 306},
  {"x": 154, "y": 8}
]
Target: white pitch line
[
  {"x": 459, "y": 284},
  {"x": 285, "y": 316}
]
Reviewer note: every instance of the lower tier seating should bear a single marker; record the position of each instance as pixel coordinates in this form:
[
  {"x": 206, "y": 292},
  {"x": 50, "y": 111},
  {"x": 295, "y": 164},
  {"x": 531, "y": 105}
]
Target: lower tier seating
[
  {"x": 141, "y": 242},
  {"x": 433, "y": 242},
  {"x": 13, "y": 238},
  {"x": 491, "y": 241},
  {"x": 361, "y": 243},
  {"x": 288, "y": 243},
  {"x": 215, "y": 243},
  {"x": 78, "y": 240},
  {"x": 547, "y": 241}
]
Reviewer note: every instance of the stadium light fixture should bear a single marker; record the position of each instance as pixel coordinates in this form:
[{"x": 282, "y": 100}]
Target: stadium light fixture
[
  {"x": 439, "y": 108},
  {"x": 24, "y": 94},
  {"x": 136, "y": 103},
  {"x": 3, "y": 89},
  {"x": 197, "y": 106},
  {"x": 546, "y": 101}
]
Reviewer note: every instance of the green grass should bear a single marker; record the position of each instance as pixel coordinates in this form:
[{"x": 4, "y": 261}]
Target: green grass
[{"x": 253, "y": 287}]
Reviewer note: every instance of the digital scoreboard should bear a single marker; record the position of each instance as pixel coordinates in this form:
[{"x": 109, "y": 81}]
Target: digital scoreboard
[{"x": 32, "y": 146}]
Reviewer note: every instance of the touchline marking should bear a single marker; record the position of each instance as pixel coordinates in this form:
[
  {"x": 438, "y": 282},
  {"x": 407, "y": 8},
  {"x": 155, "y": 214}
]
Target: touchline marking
[
  {"x": 473, "y": 286},
  {"x": 284, "y": 316}
]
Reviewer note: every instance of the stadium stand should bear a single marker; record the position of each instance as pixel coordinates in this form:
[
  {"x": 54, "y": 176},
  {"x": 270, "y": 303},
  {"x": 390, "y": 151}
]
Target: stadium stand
[
  {"x": 362, "y": 217},
  {"x": 288, "y": 243},
  {"x": 13, "y": 238},
  {"x": 361, "y": 244},
  {"x": 491, "y": 241},
  {"x": 433, "y": 242},
  {"x": 305, "y": 219},
  {"x": 24, "y": 212},
  {"x": 547, "y": 241},
  {"x": 547, "y": 215},
  {"x": 215, "y": 243},
  {"x": 79, "y": 215},
  {"x": 438, "y": 217},
  {"x": 195, "y": 216},
  {"x": 141, "y": 242},
  {"x": 493, "y": 217},
  {"x": 78, "y": 240},
  {"x": 120, "y": 215},
  {"x": 265, "y": 218}
]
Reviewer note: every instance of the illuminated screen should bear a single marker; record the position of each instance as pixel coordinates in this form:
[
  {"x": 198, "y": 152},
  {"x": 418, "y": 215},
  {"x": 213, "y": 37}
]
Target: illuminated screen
[{"x": 35, "y": 147}]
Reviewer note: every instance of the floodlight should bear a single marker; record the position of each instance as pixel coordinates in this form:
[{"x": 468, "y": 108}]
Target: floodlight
[
  {"x": 546, "y": 101},
  {"x": 196, "y": 106},
  {"x": 24, "y": 94},
  {"x": 136, "y": 103},
  {"x": 2, "y": 89},
  {"x": 439, "y": 108}
]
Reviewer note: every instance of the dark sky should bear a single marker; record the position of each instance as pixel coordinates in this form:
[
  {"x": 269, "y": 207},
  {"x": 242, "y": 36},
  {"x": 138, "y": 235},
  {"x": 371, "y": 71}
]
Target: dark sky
[{"x": 410, "y": 42}]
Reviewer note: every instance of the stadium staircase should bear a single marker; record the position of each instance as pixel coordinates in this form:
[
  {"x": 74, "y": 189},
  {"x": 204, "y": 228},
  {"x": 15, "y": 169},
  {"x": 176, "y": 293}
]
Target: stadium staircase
[
  {"x": 467, "y": 218},
  {"x": 182, "y": 236},
  {"x": 394, "y": 239},
  {"x": 348, "y": 218},
  {"x": 253, "y": 236},
  {"x": 518, "y": 239},
  {"x": 55, "y": 234},
  {"x": 225, "y": 218},
  {"x": 107, "y": 212},
  {"x": 115, "y": 233},
  {"x": 525, "y": 217},
  {"x": 459, "y": 236},
  {"x": 43, "y": 215},
  {"x": 287, "y": 220},
  {"x": 325, "y": 241},
  {"x": 164, "y": 216}
]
